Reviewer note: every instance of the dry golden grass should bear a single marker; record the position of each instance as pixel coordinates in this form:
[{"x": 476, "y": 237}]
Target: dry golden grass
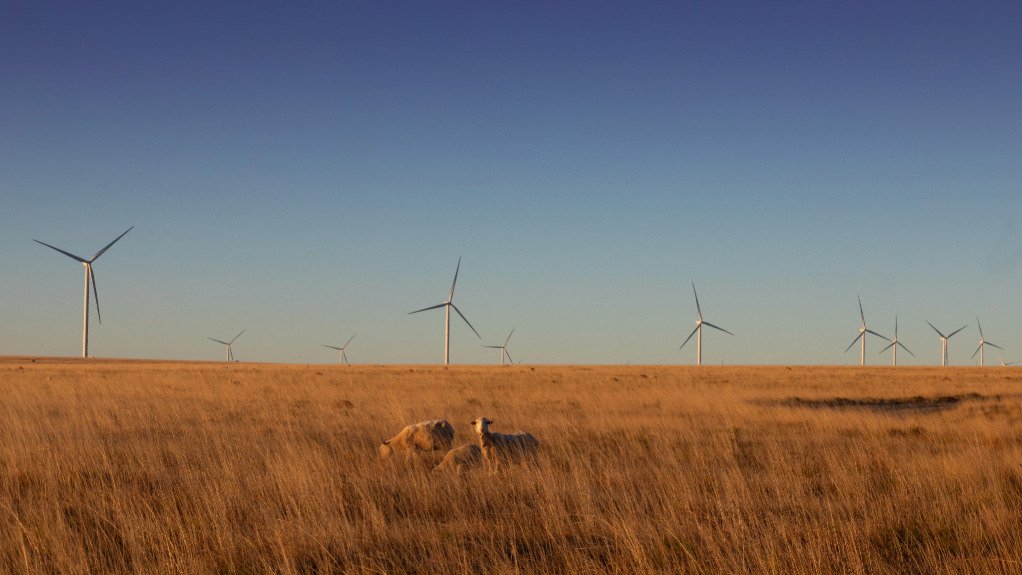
[{"x": 114, "y": 467}]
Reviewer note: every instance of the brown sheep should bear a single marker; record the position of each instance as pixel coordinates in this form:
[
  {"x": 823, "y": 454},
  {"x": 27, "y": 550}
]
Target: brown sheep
[
  {"x": 435, "y": 435},
  {"x": 501, "y": 448},
  {"x": 461, "y": 458}
]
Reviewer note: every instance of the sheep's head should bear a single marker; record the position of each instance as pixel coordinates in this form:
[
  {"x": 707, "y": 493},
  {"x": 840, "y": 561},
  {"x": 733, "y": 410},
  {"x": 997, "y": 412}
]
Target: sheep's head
[
  {"x": 385, "y": 449},
  {"x": 481, "y": 424}
]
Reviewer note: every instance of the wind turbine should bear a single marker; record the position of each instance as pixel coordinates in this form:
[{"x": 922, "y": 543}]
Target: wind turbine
[
  {"x": 943, "y": 342},
  {"x": 863, "y": 330},
  {"x": 895, "y": 343},
  {"x": 983, "y": 343},
  {"x": 503, "y": 349},
  {"x": 90, "y": 276},
  {"x": 1003, "y": 364},
  {"x": 447, "y": 305},
  {"x": 228, "y": 354},
  {"x": 344, "y": 357},
  {"x": 699, "y": 329}
]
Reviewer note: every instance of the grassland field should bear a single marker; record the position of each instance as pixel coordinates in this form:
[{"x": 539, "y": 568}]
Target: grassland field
[{"x": 176, "y": 467}]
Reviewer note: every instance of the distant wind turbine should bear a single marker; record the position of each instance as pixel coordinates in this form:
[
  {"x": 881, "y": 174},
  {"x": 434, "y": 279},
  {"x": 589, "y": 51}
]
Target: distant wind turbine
[
  {"x": 983, "y": 343},
  {"x": 863, "y": 330},
  {"x": 503, "y": 349},
  {"x": 90, "y": 277},
  {"x": 228, "y": 354},
  {"x": 344, "y": 357},
  {"x": 895, "y": 343},
  {"x": 1005, "y": 364},
  {"x": 447, "y": 305},
  {"x": 699, "y": 329},
  {"x": 943, "y": 342}
]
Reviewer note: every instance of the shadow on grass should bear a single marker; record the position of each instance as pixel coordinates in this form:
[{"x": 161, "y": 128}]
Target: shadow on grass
[{"x": 916, "y": 403}]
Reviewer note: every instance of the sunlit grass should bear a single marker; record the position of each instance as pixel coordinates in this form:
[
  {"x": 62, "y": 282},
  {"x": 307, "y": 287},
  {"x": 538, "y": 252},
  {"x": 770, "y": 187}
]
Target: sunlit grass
[{"x": 110, "y": 467}]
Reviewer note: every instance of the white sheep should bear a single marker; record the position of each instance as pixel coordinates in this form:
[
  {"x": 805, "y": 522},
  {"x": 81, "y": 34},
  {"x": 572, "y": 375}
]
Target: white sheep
[
  {"x": 435, "y": 435},
  {"x": 501, "y": 448},
  {"x": 461, "y": 458}
]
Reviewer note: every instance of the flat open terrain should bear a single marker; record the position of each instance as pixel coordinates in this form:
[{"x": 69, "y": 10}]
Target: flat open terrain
[{"x": 150, "y": 467}]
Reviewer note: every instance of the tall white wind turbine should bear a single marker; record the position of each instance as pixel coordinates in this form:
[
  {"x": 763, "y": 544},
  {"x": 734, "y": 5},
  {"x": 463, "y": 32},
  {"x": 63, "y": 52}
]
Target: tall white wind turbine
[
  {"x": 503, "y": 349},
  {"x": 344, "y": 357},
  {"x": 448, "y": 305},
  {"x": 699, "y": 329},
  {"x": 943, "y": 342},
  {"x": 228, "y": 354},
  {"x": 90, "y": 277},
  {"x": 895, "y": 343},
  {"x": 983, "y": 343},
  {"x": 863, "y": 330}
]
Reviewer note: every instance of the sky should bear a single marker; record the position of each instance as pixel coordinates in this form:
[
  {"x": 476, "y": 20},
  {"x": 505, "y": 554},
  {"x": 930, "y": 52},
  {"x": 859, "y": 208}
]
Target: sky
[{"x": 312, "y": 171}]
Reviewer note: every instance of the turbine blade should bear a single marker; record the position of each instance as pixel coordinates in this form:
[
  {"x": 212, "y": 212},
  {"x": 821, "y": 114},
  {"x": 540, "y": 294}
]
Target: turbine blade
[
  {"x": 95, "y": 292},
  {"x": 883, "y": 337},
  {"x": 699, "y": 310},
  {"x": 977, "y": 351},
  {"x": 935, "y": 329},
  {"x": 218, "y": 341},
  {"x": 100, "y": 252},
  {"x": 889, "y": 346},
  {"x": 509, "y": 337},
  {"x": 332, "y": 347},
  {"x": 717, "y": 327},
  {"x": 494, "y": 346},
  {"x": 861, "y": 314},
  {"x": 689, "y": 337},
  {"x": 344, "y": 356},
  {"x": 508, "y": 353},
  {"x": 439, "y": 305},
  {"x": 466, "y": 320},
  {"x": 994, "y": 345},
  {"x": 68, "y": 254},
  {"x": 455, "y": 282},
  {"x": 895, "y": 327},
  {"x": 906, "y": 349},
  {"x": 956, "y": 331},
  {"x": 854, "y": 341},
  {"x": 980, "y": 328},
  {"x": 349, "y": 341},
  {"x": 239, "y": 335}
]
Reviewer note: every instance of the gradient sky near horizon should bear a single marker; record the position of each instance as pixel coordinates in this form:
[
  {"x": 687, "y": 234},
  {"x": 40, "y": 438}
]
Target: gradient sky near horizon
[{"x": 316, "y": 170}]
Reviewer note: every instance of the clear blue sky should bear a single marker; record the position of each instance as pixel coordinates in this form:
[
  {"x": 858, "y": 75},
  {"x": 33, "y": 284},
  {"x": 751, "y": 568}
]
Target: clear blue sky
[{"x": 310, "y": 172}]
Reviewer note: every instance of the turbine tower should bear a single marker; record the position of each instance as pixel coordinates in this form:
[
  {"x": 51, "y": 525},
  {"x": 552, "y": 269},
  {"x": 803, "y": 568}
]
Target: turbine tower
[
  {"x": 863, "y": 330},
  {"x": 895, "y": 343},
  {"x": 228, "y": 354},
  {"x": 503, "y": 349},
  {"x": 344, "y": 357},
  {"x": 983, "y": 343},
  {"x": 90, "y": 277},
  {"x": 943, "y": 342},
  {"x": 448, "y": 305},
  {"x": 699, "y": 329}
]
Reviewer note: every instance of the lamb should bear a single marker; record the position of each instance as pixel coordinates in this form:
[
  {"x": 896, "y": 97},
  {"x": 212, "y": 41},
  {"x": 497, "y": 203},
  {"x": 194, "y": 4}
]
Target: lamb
[
  {"x": 461, "y": 458},
  {"x": 500, "y": 448},
  {"x": 435, "y": 435}
]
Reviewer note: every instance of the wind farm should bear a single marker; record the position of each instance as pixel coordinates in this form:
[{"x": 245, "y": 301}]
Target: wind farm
[{"x": 308, "y": 172}]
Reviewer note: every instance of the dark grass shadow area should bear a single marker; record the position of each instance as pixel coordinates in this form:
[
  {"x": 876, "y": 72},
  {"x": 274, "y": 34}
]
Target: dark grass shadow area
[{"x": 917, "y": 403}]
